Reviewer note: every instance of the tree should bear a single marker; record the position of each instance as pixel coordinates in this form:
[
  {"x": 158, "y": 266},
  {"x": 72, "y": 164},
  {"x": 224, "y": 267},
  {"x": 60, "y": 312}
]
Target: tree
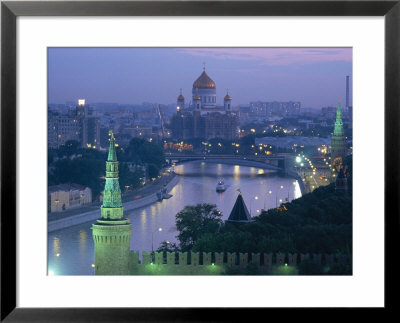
[
  {"x": 127, "y": 178},
  {"x": 194, "y": 221},
  {"x": 86, "y": 172},
  {"x": 71, "y": 147},
  {"x": 168, "y": 247},
  {"x": 152, "y": 170},
  {"x": 140, "y": 151}
]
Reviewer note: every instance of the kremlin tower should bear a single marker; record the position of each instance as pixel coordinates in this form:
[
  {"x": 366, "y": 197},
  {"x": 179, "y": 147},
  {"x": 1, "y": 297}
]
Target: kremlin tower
[
  {"x": 338, "y": 141},
  {"x": 112, "y": 232}
]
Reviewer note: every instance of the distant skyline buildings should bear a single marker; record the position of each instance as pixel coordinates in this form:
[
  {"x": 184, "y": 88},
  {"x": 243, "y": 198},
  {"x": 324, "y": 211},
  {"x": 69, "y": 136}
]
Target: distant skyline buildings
[{"x": 313, "y": 76}]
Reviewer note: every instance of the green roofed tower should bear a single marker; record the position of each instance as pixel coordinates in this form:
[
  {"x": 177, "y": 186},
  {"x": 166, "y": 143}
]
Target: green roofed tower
[
  {"x": 338, "y": 141},
  {"x": 112, "y": 232},
  {"x": 112, "y": 204}
]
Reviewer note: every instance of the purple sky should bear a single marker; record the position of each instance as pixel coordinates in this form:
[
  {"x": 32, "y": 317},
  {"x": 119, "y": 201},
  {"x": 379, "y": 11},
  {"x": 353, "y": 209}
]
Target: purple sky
[{"x": 314, "y": 76}]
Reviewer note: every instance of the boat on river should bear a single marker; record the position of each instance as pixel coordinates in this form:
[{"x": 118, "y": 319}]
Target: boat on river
[{"x": 220, "y": 186}]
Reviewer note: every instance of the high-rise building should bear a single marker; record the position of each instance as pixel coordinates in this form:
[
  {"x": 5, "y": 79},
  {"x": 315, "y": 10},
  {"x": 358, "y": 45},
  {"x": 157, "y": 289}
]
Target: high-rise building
[
  {"x": 338, "y": 141},
  {"x": 78, "y": 124},
  {"x": 61, "y": 128},
  {"x": 89, "y": 126},
  {"x": 112, "y": 232}
]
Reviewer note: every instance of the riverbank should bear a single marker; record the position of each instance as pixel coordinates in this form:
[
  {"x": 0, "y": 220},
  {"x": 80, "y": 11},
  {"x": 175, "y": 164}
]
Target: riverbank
[{"x": 131, "y": 201}]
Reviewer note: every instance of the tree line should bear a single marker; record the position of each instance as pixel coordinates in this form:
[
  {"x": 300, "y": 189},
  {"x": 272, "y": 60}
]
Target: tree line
[{"x": 73, "y": 164}]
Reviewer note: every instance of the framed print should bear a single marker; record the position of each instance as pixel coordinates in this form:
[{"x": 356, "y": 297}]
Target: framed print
[{"x": 177, "y": 208}]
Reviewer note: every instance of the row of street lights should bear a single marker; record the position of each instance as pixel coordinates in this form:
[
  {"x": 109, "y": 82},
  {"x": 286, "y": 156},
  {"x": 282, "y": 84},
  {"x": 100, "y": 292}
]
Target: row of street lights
[{"x": 265, "y": 198}]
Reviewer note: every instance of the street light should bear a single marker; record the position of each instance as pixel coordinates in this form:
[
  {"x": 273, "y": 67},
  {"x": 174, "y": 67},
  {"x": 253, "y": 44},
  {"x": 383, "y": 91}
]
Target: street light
[
  {"x": 270, "y": 192},
  {"x": 256, "y": 198},
  {"x": 152, "y": 239}
]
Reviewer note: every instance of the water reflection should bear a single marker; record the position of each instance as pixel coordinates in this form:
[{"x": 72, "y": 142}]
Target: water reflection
[
  {"x": 82, "y": 239},
  {"x": 56, "y": 245},
  {"x": 196, "y": 184}
]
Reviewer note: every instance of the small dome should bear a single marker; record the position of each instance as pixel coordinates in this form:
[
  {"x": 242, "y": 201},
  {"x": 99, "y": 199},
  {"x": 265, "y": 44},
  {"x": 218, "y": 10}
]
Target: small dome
[
  {"x": 227, "y": 97},
  {"x": 204, "y": 82},
  {"x": 180, "y": 97}
]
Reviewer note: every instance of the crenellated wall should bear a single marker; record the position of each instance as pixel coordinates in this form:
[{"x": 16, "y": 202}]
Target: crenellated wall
[{"x": 215, "y": 263}]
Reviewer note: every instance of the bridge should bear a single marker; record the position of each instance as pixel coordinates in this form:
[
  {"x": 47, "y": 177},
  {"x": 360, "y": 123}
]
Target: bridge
[
  {"x": 278, "y": 162},
  {"x": 282, "y": 163}
]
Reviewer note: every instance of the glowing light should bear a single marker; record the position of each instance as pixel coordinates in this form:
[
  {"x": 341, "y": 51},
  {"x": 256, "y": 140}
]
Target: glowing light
[
  {"x": 93, "y": 265},
  {"x": 51, "y": 273},
  {"x": 81, "y": 102}
]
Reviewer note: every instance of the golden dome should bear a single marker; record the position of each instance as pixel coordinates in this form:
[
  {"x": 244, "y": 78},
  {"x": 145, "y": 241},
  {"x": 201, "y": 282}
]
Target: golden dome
[
  {"x": 204, "y": 82},
  {"x": 180, "y": 97},
  {"x": 227, "y": 97}
]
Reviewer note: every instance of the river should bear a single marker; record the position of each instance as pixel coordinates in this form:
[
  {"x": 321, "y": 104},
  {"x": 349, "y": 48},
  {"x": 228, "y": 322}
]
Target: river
[{"x": 71, "y": 250}]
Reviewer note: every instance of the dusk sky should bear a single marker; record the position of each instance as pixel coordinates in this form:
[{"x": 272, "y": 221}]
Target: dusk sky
[{"x": 314, "y": 76}]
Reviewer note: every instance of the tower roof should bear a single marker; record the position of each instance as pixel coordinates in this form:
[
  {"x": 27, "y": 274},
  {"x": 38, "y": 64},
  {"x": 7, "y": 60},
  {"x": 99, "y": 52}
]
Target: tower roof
[
  {"x": 239, "y": 213},
  {"x": 112, "y": 155},
  {"x": 227, "y": 97},
  {"x": 204, "y": 82},
  {"x": 180, "y": 97}
]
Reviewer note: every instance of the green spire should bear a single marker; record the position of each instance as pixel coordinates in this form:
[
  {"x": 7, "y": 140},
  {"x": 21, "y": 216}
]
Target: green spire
[
  {"x": 338, "y": 131},
  {"x": 338, "y": 141},
  {"x": 112, "y": 155},
  {"x": 112, "y": 203}
]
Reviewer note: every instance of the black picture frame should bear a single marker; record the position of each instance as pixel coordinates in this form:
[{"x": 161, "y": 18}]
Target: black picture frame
[{"x": 10, "y": 10}]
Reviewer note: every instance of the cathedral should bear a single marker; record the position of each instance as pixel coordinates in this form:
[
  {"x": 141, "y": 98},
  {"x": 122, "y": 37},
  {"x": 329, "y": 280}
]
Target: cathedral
[{"x": 202, "y": 118}]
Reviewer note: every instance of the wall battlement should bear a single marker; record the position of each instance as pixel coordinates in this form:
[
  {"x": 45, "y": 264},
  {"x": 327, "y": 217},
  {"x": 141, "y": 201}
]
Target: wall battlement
[{"x": 214, "y": 263}]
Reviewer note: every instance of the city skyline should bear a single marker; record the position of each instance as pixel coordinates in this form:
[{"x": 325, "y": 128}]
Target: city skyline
[{"x": 314, "y": 76}]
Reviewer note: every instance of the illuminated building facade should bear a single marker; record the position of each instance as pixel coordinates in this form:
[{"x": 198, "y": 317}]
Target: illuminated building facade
[
  {"x": 112, "y": 232},
  {"x": 202, "y": 118},
  {"x": 79, "y": 124}
]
